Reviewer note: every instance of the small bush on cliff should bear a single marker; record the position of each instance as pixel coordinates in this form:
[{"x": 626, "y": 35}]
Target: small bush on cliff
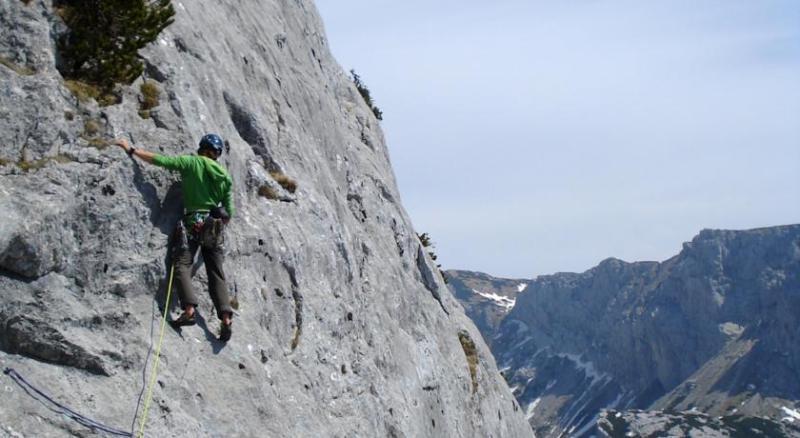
[
  {"x": 104, "y": 38},
  {"x": 425, "y": 240},
  {"x": 364, "y": 91}
]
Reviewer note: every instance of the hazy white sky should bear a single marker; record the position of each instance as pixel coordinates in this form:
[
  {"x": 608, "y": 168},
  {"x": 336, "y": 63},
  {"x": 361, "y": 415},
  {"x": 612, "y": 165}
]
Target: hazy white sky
[{"x": 530, "y": 137}]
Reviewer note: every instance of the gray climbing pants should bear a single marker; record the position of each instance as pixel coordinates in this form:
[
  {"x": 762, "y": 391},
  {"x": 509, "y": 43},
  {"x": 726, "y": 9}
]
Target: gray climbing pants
[{"x": 213, "y": 257}]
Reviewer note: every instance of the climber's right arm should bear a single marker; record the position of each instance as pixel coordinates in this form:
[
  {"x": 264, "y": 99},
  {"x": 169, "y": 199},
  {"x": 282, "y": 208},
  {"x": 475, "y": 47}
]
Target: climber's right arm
[{"x": 135, "y": 152}]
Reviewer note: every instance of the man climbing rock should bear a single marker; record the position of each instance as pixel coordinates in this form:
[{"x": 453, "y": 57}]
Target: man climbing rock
[{"x": 208, "y": 205}]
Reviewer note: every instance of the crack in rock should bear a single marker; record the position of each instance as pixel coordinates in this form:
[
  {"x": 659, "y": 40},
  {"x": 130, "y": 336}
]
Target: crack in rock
[
  {"x": 298, "y": 306},
  {"x": 247, "y": 126},
  {"x": 428, "y": 277},
  {"x": 38, "y": 340}
]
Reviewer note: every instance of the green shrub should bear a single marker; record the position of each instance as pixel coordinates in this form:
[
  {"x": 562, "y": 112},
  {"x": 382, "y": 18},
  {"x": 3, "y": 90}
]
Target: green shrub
[
  {"x": 425, "y": 240},
  {"x": 105, "y": 36},
  {"x": 364, "y": 91}
]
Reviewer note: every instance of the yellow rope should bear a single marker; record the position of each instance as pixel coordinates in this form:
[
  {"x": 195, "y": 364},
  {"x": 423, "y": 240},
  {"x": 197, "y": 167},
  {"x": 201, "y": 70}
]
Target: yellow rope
[{"x": 154, "y": 373}]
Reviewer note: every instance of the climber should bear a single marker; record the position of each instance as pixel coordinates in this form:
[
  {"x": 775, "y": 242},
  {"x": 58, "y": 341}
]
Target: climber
[{"x": 205, "y": 185}]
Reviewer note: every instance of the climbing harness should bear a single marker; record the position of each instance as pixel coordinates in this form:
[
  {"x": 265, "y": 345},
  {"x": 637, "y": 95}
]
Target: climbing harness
[
  {"x": 204, "y": 227},
  {"x": 154, "y": 373},
  {"x": 58, "y": 407},
  {"x": 211, "y": 235}
]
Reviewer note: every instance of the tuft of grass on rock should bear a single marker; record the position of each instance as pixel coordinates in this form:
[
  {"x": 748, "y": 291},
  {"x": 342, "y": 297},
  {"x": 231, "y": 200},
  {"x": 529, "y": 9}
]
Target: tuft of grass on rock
[
  {"x": 91, "y": 127},
  {"x": 99, "y": 143},
  {"x": 285, "y": 181},
  {"x": 150, "y": 94},
  {"x": 471, "y": 352},
  {"x": 92, "y": 134},
  {"x": 18, "y": 69},
  {"x": 150, "y": 98},
  {"x": 85, "y": 92},
  {"x": 34, "y": 165},
  {"x": 267, "y": 192}
]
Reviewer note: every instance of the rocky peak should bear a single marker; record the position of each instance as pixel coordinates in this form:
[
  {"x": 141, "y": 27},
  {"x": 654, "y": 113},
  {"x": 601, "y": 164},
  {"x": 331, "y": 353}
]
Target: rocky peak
[{"x": 713, "y": 329}]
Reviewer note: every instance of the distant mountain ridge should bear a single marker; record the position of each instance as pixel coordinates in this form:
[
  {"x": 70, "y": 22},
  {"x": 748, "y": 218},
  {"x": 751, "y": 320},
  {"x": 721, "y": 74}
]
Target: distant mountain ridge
[
  {"x": 486, "y": 299},
  {"x": 714, "y": 329}
]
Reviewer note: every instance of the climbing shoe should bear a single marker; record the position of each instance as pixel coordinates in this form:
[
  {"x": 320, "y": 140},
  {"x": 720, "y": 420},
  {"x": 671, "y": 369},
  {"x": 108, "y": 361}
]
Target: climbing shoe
[
  {"x": 184, "y": 320},
  {"x": 225, "y": 331}
]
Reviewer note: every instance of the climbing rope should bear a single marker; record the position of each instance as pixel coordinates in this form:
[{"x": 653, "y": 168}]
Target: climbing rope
[
  {"x": 42, "y": 397},
  {"x": 154, "y": 373}
]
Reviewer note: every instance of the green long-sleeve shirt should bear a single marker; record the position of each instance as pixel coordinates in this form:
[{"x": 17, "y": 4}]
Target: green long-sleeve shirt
[{"x": 206, "y": 184}]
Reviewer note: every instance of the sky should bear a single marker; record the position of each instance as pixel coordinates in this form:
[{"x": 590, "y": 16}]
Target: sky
[{"x": 533, "y": 137}]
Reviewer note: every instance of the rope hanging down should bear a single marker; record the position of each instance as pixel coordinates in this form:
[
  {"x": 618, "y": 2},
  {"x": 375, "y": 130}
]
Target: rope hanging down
[
  {"x": 154, "y": 374},
  {"x": 58, "y": 407}
]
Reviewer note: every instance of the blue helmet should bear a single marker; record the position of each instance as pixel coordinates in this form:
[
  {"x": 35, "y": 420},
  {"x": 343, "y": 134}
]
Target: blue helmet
[{"x": 213, "y": 142}]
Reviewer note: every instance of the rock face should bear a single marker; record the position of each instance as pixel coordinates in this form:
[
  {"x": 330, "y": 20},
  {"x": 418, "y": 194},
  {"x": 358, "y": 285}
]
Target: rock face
[
  {"x": 344, "y": 326},
  {"x": 714, "y": 329},
  {"x": 638, "y": 423}
]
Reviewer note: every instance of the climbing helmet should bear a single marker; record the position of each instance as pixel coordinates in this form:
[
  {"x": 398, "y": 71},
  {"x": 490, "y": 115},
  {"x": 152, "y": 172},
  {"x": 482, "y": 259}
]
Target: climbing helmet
[{"x": 212, "y": 142}]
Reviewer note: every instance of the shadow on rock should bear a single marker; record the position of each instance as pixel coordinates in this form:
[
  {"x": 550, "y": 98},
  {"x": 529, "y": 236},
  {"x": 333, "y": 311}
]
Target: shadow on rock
[
  {"x": 172, "y": 204},
  {"x": 216, "y": 344}
]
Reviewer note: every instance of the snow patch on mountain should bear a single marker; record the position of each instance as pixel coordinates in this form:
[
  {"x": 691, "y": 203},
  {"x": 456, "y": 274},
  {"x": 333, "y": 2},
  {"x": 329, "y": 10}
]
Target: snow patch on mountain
[
  {"x": 792, "y": 414},
  {"x": 499, "y": 300},
  {"x": 587, "y": 367},
  {"x": 531, "y": 408}
]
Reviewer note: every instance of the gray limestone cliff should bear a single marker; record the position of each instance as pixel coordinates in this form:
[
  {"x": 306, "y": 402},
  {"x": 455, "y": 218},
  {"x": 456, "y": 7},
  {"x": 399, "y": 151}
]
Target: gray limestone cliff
[
  {"x": 344, "y": 327},
  {"x": 713, "y": 330}
]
